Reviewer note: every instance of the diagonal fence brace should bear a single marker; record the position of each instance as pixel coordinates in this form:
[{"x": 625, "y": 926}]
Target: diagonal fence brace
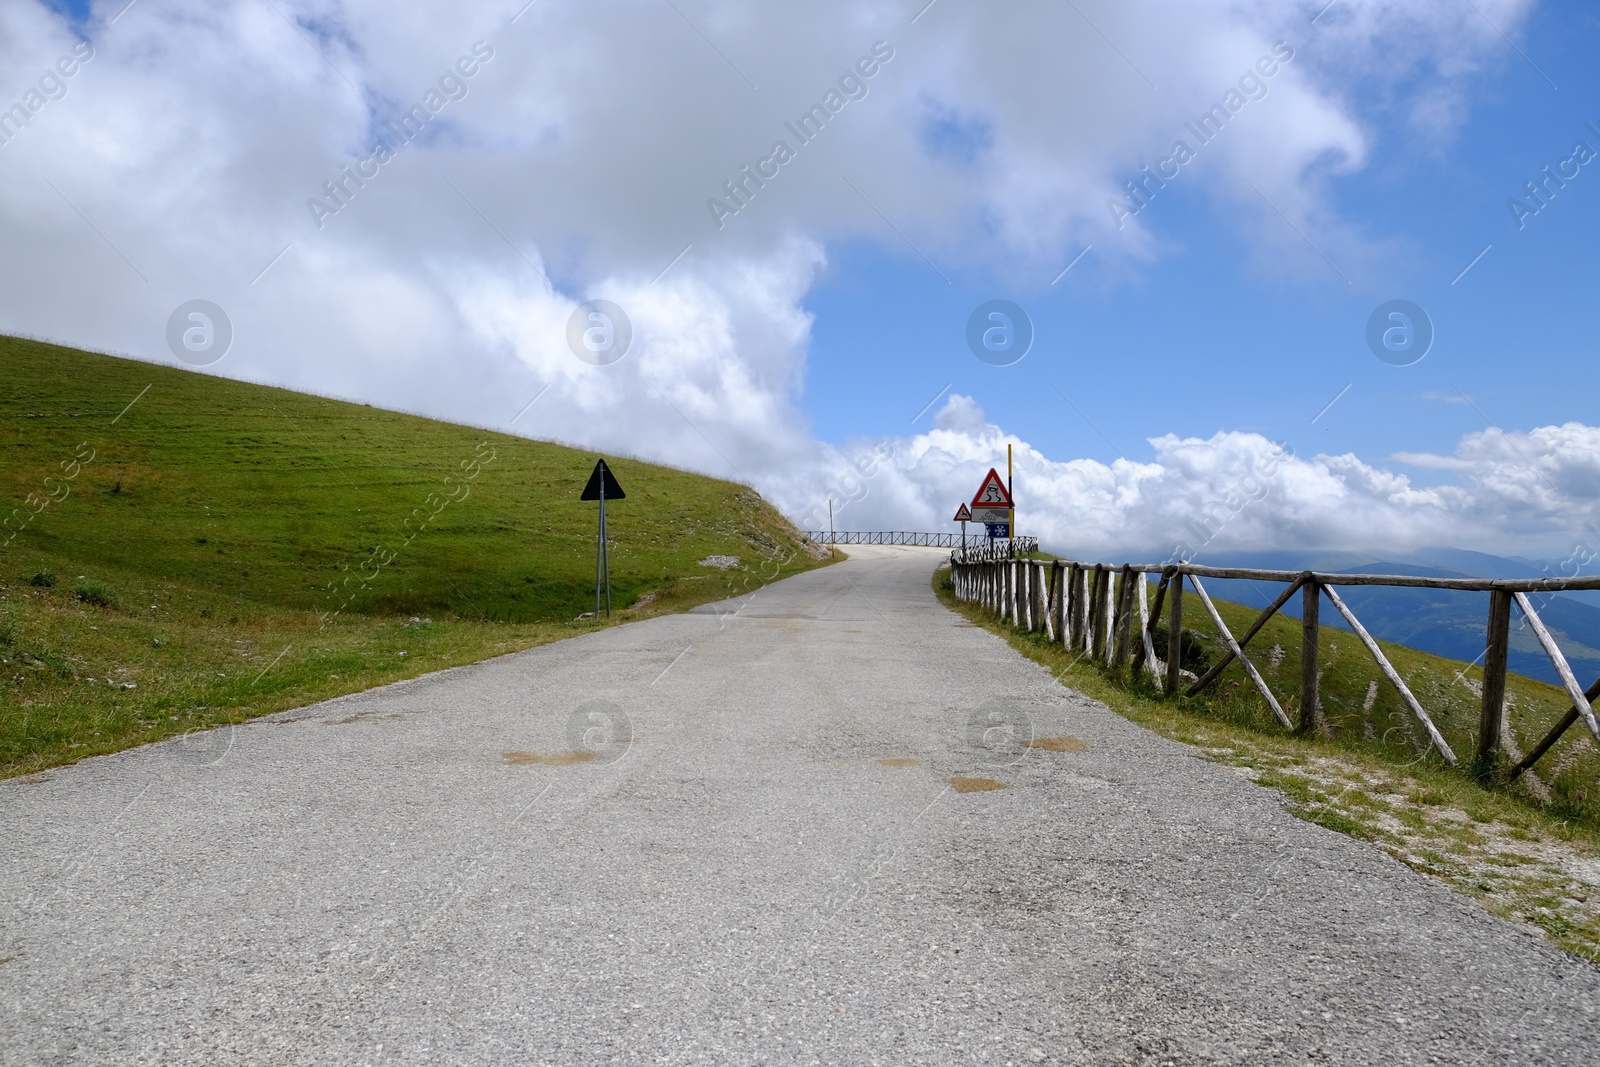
[
  {"x": 1238, "y": 653},
  {"x": 1393, "y": 675}
]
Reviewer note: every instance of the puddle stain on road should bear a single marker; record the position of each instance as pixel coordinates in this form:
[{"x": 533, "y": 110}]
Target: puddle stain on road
[
  {"x": 1059, "y": 744},
  {"x": 975, "y": 785},
  {"x": 901, "y": 762},
  {"x": 557, "y": 759}
]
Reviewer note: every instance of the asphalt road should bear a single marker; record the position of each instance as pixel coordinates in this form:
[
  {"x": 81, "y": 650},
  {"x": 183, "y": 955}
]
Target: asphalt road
[{"x": 425, "y": 873}]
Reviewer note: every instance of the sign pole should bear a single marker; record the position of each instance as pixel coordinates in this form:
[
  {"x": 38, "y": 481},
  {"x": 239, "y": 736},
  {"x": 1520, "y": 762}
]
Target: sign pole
[
  {"x": 602, "y": 486},
  {"x": 963, "y": 513},
  {"x": 1011, "y": 522},
  {"x": 600, "y": 551}
]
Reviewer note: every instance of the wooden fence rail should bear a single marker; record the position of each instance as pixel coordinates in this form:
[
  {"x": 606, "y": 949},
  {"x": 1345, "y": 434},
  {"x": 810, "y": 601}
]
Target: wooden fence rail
[{"x": 1092, "y": 609}]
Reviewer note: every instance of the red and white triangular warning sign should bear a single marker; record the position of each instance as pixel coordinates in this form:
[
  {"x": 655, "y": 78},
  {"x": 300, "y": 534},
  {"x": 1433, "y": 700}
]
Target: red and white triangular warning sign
[
  {"x": 992, "y": 493},
  {"x": 962, "y": 514}
]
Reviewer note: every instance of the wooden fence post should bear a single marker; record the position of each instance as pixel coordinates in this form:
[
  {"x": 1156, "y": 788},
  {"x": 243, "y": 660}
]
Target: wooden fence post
[
  {"x": 1058, "y": 589},
  {"x": 1086, "y": 604},
  {"x": 1040, "y": 595},
  {"x": 1097, "y": 610},
  {"x": 1096, "y": 626},
  {"x": 1145, "y": 656},
  {"x": 1089, "y": 579},
  {"x": 1310, "y": 697},
  {"x": 1018, "y": 606},
  {"x": 1155, "y": 608},
  {"x": 1011, "y": 591},
  {"x": 1070, "y": 633},
  {"x": 1024, "y": 596},
  {"x": 1174, "y": 630},
  {"x": 1029, "y": 574},
  {"x": 1017, "y": 578},
  {"x": 1020, "y": 569},
  {"x": 1123, "y": 623},
  {"x": 1112, "y": 602},
  {"x": 1108, "y": 608},
  {"x": 1045, "y": 581},
  {"x": 1138, "y": 639},
  {"x": 1496, "y": 649}
]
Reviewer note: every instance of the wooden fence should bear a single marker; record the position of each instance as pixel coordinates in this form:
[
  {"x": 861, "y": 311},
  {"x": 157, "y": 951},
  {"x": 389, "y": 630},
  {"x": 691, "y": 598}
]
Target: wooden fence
[{"x": 1094, "y": 609}]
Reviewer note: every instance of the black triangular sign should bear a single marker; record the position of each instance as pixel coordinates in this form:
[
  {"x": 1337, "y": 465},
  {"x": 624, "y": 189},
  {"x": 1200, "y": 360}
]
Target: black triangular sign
[{"x": 592, "y": 490}]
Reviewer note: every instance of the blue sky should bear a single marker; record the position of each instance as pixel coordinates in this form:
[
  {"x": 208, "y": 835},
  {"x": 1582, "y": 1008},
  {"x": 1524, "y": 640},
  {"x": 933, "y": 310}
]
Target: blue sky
[{"x": 1208, "y": 339}]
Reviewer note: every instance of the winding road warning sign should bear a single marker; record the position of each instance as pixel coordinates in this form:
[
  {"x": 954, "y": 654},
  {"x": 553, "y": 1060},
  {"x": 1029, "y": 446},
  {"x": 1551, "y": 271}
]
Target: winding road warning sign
[
  {"x": 991, "y": 503},
  {"x": 992, "y": 493}
]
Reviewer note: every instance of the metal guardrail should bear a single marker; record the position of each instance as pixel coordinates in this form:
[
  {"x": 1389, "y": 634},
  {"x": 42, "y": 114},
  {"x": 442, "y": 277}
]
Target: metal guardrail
[{"x": 925, "y": 540}]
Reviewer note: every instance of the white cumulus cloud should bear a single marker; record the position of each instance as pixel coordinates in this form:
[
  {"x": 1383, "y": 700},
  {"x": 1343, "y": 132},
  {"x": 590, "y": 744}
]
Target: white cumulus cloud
[{"x": 1234, "y": 491}]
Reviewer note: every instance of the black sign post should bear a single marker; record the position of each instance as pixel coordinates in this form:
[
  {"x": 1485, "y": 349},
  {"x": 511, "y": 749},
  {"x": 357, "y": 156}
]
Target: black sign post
[
  {"x": 602, "y": 486},
  {"x": 963, "y": 516}
]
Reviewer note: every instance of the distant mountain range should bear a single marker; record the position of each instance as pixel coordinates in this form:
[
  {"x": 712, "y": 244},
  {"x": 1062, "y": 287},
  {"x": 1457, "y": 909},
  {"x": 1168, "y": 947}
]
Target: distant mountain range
[{"x": 1444, "y": 622}]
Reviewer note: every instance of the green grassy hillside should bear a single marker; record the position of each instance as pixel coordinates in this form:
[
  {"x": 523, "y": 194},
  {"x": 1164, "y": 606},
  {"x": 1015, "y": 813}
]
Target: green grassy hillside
[{"x": 172, "y": 534}]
